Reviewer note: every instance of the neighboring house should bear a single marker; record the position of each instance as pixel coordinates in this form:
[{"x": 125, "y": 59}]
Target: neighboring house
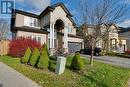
[
  {"x": 112, "y": 41},
  {"x": 125, "y": 33},
  {"x": 53, "y": 26},
  {"x": 116, "y": 43}
]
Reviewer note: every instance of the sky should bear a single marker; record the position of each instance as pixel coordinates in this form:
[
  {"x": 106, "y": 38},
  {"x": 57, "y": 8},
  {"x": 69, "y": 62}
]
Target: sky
[{"x": 37, "y": 6}]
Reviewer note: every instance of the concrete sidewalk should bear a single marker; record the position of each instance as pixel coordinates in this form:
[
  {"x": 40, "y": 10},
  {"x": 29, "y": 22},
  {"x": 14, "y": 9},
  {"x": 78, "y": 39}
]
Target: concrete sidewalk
[
  {"x": 11, "y": 78},
  {"x": 123, "y": 62}
]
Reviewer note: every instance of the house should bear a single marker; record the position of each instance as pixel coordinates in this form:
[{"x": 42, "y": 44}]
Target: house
[
  {"x": 116, "y": 43},
  {"x": 112, "y": 41},
  {"x": 53, "y": 26},
  {"x": 125, "y": 33}
]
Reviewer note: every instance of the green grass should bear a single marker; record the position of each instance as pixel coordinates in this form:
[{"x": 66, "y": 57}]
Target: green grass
[{"x": 100, "y": 75}]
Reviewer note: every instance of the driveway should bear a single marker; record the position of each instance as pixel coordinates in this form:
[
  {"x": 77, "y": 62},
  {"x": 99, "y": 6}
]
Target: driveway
[
  {"x": 11, "y": 78},
  {"x": 124, "y": 62}
]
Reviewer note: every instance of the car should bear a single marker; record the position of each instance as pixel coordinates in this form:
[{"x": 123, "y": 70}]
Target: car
[{"x": 87, "y": 51}]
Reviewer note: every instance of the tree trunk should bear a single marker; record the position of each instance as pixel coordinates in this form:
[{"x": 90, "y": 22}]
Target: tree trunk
[{"x": 91, "y": 59}]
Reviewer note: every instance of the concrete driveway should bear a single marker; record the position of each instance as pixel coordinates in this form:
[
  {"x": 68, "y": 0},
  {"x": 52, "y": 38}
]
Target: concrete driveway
[
  {"x": 124, "y": 62},
  {"x": 11, "y": 78}
]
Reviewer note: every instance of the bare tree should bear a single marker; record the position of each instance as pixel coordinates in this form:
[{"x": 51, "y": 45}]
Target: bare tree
[
  {"x": 98, "y": 13},
  {"x": 4, "y": 28}
]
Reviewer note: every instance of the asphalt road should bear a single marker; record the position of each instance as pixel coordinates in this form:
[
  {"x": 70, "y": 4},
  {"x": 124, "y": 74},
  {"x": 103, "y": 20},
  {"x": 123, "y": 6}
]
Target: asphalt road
[{"x": 123, "y": 62}]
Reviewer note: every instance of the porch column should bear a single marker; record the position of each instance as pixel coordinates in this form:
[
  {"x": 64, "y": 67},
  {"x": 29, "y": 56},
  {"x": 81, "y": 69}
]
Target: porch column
[
  {"x": 52, "y": 39},
  {"x": 50, "y": 36},
  {"x": 66, "y": 39},
  {"x": 53, "y": 36}
]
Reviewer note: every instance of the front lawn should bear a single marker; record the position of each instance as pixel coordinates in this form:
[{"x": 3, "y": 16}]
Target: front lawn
[{"x": 100, "y": 75}]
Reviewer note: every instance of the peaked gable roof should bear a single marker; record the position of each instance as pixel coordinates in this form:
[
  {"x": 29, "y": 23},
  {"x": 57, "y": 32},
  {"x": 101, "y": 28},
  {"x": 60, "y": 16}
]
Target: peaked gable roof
[
  {"x": 64, "y": 8},
  {"x": 52, "y": 7},
  {"x": 48, "y": 9}
]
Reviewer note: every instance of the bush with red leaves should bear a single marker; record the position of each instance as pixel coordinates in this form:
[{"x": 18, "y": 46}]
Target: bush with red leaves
[{"x": 17, "y": 47}]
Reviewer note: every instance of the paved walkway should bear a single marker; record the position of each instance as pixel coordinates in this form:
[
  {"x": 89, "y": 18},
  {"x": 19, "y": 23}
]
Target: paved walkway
[
  {"x": 124, "y": 62},
  {"x": 11, "y": 78}
]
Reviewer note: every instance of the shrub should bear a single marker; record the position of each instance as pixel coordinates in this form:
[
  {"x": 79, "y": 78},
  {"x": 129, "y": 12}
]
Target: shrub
[
  {"x": 44, "y": 47},
  {"x": 111, "y": 53},
  {"x": 77, "y": 62},
  {"x": 26, "y": 56},
  {"x": 44, "y": 60},
  {"x": 52, "y": 57},
  {"x": 123, "y": 55},
  {"x": 52, "y": 65},
  {"x": 17, "y": 47},
  {"x": 34, "y": 58},
  {"x": 103, "y": 53}
]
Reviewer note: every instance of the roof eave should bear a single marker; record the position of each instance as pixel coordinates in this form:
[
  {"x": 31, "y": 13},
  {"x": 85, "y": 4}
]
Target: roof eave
[{"x": 24, "y": 13}]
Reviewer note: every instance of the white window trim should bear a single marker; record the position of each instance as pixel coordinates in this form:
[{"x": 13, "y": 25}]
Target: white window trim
[
  {"x": 37, "y": 38},
  {"x": 30, "y": 21}
]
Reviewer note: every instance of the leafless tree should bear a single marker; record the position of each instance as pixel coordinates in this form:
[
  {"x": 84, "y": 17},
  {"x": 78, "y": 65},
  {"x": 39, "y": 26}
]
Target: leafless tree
[
  {"x": 97, "y": 13},
  {"x": 4, "y": 28}
]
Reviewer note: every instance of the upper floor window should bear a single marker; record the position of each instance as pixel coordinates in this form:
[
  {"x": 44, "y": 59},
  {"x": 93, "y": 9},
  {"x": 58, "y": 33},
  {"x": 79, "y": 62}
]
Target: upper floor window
[
  {"x": 114, "y": 31},
  {"x": 70, "y": 30},
  {"x": 29, "y": 21}
]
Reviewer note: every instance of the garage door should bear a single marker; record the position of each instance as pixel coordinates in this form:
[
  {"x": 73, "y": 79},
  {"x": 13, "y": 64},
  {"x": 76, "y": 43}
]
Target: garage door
[{"x": 73, "y": 47}]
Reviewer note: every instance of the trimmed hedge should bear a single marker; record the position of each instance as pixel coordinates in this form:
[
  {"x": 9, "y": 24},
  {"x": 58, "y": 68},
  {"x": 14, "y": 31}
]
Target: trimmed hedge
[
  {"x": 34, "y": 57},
  {"x": 27, "y": 55},
  {"x": 45, "y": 48},
  {"x": 44, "y": 59},
  {"x": 77, "y": 62}
]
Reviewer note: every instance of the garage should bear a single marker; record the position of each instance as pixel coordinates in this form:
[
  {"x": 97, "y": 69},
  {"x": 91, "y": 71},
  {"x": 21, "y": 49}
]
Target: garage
[{"x": 74, "y": 46}]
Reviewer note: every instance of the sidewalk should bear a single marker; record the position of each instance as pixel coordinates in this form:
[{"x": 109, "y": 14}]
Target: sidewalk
[{"x": 11, "y": 78}]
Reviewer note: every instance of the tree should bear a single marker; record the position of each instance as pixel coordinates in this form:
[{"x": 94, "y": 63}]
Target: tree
[
  {"x": 34, "y": 57},
  {"x": 4, "y": 28},
  {"x": 44, "y": 59},
  {"x": 27, "y": 55},
  {"x": 45, "y": 48},
  {"x": 77, "y": 62},
  {"x": 103, "y": 12}
]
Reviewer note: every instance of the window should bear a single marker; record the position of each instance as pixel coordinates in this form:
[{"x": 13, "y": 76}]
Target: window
[
  {"x": 36, "y": 38},
  {"x": 69, "y": 30},
  {"x": 29, "y": 37},
  {"x": 39, "y": 39},
  {"x": 113, "y": 44},
  {"x": 26, "y": 21},
  {"x": 29, "y": 21}
]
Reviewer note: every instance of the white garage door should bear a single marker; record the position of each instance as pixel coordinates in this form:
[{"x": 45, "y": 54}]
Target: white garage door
[{"x": 73, "y": 46}]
